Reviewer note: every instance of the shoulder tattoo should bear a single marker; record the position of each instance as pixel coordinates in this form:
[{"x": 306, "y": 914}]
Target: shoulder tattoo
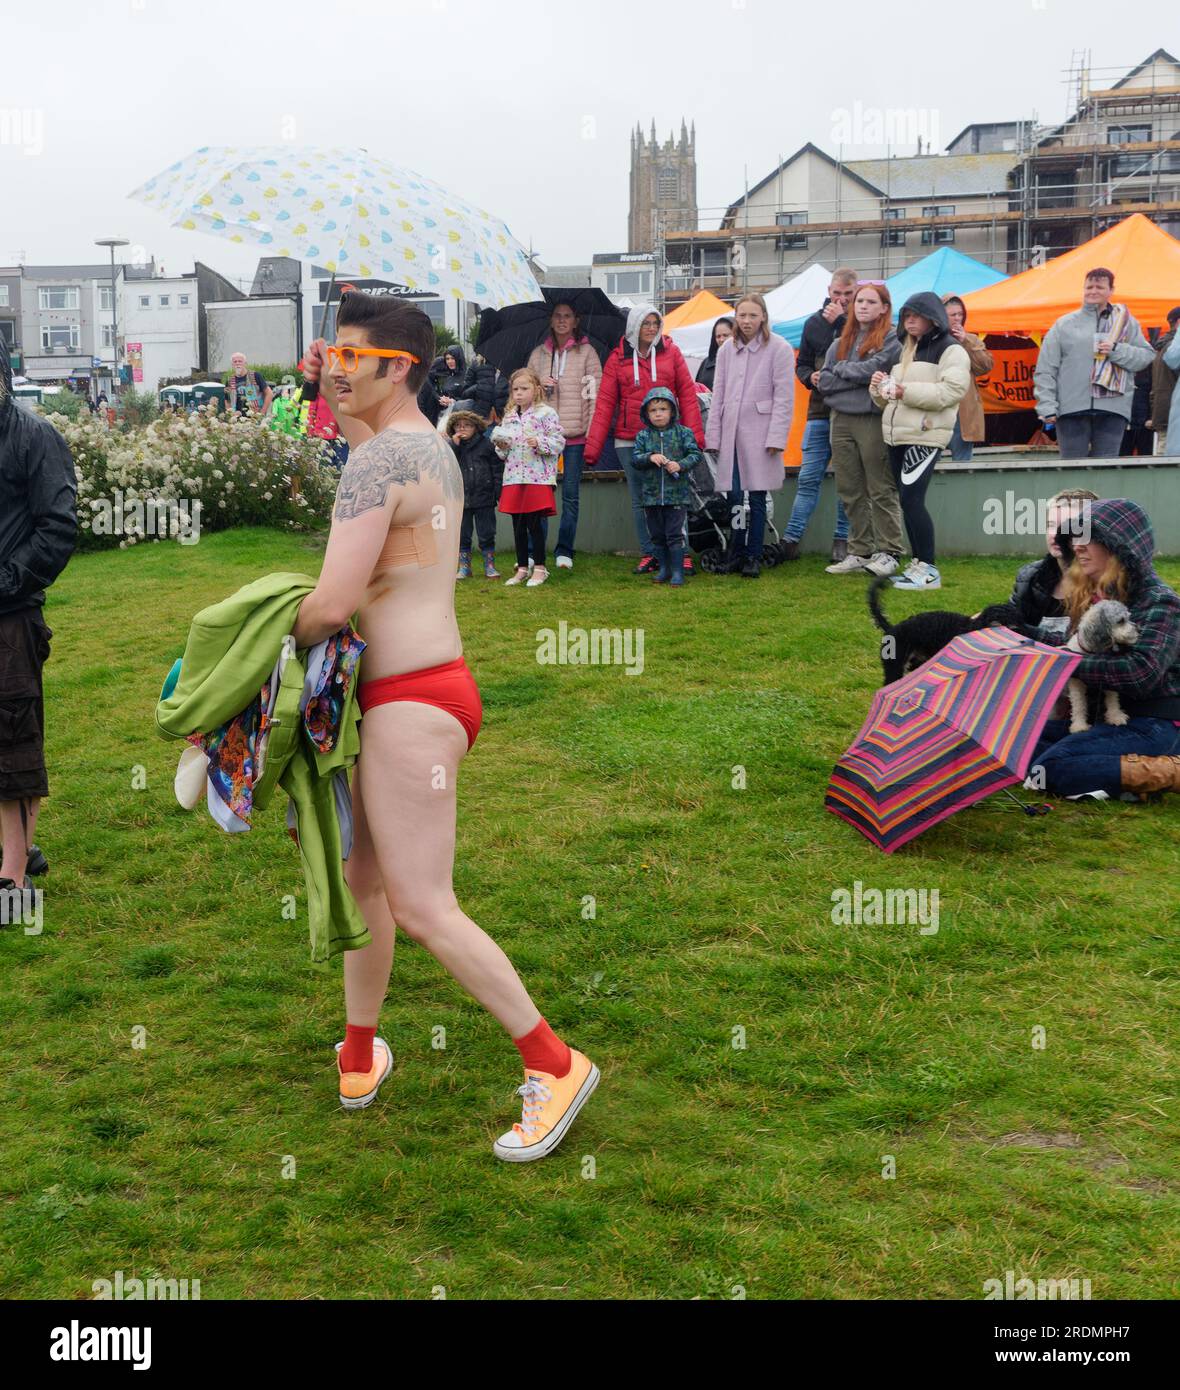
[{"x": 391, "y": 458}]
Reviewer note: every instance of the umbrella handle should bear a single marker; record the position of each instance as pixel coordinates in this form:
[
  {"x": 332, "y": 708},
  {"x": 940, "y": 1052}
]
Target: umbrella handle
[
  {"x": 336, "y": 258},
  {"x": 1042, "y": 810},
  {"x": 327, "y": 306}
]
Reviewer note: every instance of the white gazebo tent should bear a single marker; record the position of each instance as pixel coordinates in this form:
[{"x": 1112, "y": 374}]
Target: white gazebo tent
[
  {"x": 802, "y": 294},
  {"x": 794, "y": 298}
]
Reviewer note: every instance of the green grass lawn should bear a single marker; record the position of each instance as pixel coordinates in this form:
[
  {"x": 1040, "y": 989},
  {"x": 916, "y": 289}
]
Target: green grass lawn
[{"x": 699, "y": 1166}]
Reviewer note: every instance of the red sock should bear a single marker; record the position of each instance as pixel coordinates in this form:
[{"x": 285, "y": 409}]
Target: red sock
[
  {"x": 543, "y": 1050},
  {"x": 357, "y": 1052}
]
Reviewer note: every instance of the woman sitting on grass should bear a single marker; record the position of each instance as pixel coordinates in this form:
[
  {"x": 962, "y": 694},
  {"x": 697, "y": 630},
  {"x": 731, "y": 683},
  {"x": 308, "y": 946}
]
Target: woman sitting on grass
[
  {"x": 1039, "y": 590},
  {"x": 1143, "y": 755}
]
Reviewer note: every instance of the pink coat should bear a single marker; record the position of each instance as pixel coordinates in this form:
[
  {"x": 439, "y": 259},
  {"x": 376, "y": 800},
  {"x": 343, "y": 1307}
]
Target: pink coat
[{"x": 753, "y": 397}]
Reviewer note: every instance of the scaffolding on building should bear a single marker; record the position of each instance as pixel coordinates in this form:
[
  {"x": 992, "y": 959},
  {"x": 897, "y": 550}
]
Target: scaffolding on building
[{"x": 1066, "y": 183}]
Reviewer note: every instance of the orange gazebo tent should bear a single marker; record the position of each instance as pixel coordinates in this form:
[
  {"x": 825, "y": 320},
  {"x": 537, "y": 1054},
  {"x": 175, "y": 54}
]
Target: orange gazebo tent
[
  {"x": 703, "y": 305},
  {"x": 1146, "y": 265}
]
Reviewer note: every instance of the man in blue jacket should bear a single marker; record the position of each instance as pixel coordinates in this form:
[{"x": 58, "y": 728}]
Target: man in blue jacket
[{"x": 38, "y": 531}]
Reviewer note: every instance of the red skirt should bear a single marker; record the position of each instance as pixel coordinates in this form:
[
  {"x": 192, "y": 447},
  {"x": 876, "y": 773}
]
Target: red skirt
[{"x": 517, "y": 498}]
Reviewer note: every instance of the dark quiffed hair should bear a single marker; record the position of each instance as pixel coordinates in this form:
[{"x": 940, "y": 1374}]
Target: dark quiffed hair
[{"x": 391, "y": 323}]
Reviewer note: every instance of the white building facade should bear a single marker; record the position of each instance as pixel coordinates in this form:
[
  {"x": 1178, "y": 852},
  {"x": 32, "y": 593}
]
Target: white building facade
[{"x": 158, "y": 328}]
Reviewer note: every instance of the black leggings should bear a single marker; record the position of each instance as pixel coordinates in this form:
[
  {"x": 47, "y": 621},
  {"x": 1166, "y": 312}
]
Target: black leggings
[
  {"x": 528, "y": 526},
  {"x": 912, "y": 477}
]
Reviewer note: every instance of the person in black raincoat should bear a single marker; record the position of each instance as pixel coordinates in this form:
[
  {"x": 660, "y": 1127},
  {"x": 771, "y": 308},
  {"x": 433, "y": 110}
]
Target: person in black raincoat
[
  {"x": 483, "y": 477},
  {"x": 722, "y": 330},
  {"x": 451, "y": 385},
  {"x": 479, "y": 387},
  {"x": 38, "y": 532}
]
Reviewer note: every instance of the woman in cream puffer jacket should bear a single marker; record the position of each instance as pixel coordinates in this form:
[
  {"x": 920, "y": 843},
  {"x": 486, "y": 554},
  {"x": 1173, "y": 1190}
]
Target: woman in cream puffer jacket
[
  {"x": 935, "y": 373},
  {"x": 920, "y": 400}
]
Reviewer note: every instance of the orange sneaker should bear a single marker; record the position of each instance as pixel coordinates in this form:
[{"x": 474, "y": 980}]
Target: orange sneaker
[
  {"x": 359, "y": 1088},
  {"x": 550, "y": 1106}
]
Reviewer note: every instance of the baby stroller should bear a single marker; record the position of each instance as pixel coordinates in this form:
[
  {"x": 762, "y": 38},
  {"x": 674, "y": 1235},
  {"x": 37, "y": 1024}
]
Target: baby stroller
[{"x": 710, "y": 528}]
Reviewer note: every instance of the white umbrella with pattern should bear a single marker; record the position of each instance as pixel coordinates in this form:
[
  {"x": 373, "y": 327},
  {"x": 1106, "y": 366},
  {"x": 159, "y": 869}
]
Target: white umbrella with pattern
[{"x": 353, "y": 213}]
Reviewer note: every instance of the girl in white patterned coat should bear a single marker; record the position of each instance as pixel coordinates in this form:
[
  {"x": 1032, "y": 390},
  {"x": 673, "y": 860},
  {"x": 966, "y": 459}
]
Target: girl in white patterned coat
[{"x": 529, "y": 439}]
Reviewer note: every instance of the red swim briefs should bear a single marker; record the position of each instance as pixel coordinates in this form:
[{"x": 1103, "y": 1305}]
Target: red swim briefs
[{"x": 450, "y": 687}]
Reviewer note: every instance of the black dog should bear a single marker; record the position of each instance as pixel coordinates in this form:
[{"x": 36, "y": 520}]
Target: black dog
[{"x": 915, "y": 640}]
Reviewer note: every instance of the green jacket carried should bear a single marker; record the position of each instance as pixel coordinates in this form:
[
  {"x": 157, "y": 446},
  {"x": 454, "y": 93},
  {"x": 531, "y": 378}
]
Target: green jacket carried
[{"x": 231, "y": 651}]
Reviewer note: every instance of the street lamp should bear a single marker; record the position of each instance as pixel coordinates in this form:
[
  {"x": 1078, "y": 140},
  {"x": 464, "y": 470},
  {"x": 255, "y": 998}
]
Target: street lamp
[{"x": 112, "y": 242}]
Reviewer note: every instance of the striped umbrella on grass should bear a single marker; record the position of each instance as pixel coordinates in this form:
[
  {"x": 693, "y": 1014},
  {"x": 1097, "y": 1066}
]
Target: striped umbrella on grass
[{"x": 961, "y": 727}]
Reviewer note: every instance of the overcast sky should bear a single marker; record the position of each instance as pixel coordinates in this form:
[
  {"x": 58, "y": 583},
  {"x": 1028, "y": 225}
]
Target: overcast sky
[{"x": 525, "y": 110}]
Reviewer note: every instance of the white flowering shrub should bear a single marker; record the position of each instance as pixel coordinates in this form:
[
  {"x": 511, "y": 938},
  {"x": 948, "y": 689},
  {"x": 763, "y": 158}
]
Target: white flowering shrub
[{"x": 240, "y": 471}]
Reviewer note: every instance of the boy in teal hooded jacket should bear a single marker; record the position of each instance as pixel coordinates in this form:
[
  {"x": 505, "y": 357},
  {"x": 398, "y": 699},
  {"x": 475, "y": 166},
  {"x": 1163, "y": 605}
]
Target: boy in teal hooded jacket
[
  {"x": 665, "y": 454},
  {"x": 231, "y": 651}
]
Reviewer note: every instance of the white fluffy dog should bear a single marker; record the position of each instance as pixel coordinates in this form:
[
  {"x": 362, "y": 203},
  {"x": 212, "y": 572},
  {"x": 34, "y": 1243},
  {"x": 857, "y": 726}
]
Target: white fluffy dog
[{"x": 1104, "y": 627}]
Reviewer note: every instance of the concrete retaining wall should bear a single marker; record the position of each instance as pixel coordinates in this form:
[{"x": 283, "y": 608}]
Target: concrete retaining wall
[{"x": 986, "y": 507}]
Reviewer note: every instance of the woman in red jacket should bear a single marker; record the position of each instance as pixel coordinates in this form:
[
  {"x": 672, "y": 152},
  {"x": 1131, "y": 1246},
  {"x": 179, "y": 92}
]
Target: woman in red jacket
[{"x": 644, "y": 358}]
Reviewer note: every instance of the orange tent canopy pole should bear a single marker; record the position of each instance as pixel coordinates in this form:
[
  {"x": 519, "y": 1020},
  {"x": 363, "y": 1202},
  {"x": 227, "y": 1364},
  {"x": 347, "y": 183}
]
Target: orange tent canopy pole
[{"x": 793, "y": 453}]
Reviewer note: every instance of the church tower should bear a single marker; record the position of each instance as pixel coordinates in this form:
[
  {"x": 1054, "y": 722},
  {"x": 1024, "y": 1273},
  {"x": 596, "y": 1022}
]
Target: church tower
[{"x": 663, "y": 187}]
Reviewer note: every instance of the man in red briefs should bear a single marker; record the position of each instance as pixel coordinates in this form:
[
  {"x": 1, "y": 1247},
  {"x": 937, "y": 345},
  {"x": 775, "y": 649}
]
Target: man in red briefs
[{"x": 391, "y": 558}]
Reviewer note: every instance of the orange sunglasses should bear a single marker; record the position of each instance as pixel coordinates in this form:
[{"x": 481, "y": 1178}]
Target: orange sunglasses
[{"x": 349, "y": 357}]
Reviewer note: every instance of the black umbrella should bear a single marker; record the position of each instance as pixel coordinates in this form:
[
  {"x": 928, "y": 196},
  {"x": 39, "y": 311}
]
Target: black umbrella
[{"x": 507, "y": 336}]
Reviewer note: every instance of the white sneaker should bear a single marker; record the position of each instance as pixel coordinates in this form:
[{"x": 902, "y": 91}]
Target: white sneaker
[
  {"x": 882, "y": 564},
  {"x": 564, "y": 562},
  {"x": 849, "y": 565},
  {"x": 919, "y": 575},
  {"x": 899, "y": 580},
  {"x": 532, "y": 566},
  {"x": 538, "y": 577}
]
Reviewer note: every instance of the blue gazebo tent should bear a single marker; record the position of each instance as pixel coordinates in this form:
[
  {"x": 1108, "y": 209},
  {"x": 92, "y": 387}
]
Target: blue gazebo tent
[{"x": 945, "y": 271}]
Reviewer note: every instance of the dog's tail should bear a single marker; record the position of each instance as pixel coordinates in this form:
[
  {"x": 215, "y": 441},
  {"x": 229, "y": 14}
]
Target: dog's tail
[{"x": 876, "y": 588}]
